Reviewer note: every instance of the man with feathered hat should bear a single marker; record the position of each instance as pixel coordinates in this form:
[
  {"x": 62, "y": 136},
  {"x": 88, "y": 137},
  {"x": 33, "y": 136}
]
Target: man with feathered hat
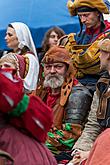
[
  {"x": 66, "y": 96},
  {"x": 84, "y": 45}
]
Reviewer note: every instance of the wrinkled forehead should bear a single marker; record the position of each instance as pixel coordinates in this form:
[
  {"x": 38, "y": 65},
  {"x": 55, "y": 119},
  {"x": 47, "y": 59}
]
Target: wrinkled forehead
[
  {"x": 55, "y": 64},
  {"x": 85, "y": 13}
]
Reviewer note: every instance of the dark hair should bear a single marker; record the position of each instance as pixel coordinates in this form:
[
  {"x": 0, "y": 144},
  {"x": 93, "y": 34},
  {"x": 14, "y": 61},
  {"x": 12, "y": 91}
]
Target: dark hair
[
  {"x": 45, "y": 42},
  {"x": 10, "y": 25},
  {"x": 102, "y": 23}
]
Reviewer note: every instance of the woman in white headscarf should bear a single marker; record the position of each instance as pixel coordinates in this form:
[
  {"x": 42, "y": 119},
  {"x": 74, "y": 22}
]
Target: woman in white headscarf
[{"x": 18, "y": 38}]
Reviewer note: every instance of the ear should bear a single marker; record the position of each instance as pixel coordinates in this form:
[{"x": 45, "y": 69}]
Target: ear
[{"x": 108, "y": 55}]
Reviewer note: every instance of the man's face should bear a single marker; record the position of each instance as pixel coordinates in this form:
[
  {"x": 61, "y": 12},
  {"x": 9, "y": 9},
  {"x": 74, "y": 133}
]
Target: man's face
[
  {"x": 89, "y": 19},
  {"x": 54, "y": 74},
  {"x": 104, "y": 59}
]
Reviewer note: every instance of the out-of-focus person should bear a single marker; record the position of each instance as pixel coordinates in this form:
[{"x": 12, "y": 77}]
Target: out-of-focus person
[
  {"x": 98, "y": 119},
  {"x": 50, "y": 39},
  {"x": 24, "y": 122}
]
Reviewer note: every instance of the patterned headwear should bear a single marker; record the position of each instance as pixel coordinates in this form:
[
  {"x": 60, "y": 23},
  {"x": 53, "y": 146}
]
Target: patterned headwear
[
  {"x": 24, "y": 36},
  {"x": 23, "y": 68},
  {"x": 60, "y": 54},
  {"x": 18, "y": 62},
  {"x": 98, "y": 4},
  {"x": 104, "y": 45}
]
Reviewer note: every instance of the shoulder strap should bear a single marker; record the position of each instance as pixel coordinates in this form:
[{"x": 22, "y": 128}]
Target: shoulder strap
[{"x": 103, "y": 93}]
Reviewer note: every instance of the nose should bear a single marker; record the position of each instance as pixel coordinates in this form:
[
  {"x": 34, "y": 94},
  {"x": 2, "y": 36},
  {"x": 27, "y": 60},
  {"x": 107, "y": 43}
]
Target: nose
[
  {"x": 52, "y": 70},
  {"x": 6, "y": 37},
  {"x": 56, "y": 39},
  {"x": 83, "y": 19}
]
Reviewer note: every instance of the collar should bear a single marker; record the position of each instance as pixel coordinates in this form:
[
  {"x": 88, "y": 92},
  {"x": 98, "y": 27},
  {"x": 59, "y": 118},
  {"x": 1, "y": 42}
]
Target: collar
[
  {"x": 49, "y": 91},
  {"x": 91, "y": 31}
]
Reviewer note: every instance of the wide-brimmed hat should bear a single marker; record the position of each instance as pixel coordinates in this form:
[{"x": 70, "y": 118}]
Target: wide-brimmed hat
[{"x": 98, "y": 4}]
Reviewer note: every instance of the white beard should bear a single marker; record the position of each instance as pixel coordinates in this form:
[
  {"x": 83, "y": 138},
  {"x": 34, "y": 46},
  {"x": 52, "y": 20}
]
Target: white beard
[{"x": 53, "y": 81}]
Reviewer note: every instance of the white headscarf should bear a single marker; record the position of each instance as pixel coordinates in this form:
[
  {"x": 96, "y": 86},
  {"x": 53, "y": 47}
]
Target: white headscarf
[{"x": 24, "y": 36}]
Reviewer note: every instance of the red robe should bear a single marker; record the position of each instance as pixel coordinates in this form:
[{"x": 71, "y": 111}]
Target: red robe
[
  {"x": 100, "y": 153},
  {"x": 22, "y": 135}
]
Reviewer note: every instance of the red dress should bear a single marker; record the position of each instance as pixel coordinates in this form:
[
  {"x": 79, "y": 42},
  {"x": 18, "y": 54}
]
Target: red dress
[
  {"x": 24, "y": 149},
  {"x": 23, "y": 133}
]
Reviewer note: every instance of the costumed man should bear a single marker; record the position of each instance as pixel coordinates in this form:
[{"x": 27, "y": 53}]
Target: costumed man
[
  {"x": 24, "y": 122},
  {"x": 69, "y": 99},
  {"x": 98, "y": 119},
  {"x": 84, "y": 45},
  {"x": 100, "y": 152}
]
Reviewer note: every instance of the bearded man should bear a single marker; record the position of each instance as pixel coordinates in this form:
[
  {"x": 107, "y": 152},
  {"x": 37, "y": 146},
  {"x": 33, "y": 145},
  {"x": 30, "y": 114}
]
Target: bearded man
[{"x": 69, "y": 99}]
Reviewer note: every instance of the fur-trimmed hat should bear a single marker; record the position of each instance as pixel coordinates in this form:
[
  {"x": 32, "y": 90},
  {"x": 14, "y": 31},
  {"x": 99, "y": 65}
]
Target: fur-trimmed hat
[
  {"x": 98, "y": 4},
  {"x": 60, "y": 54}
]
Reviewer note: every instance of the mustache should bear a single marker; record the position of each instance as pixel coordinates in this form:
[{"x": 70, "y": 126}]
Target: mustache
[
  {"x": 49, "y": 76},
  {"x": 53, "y": 81}
]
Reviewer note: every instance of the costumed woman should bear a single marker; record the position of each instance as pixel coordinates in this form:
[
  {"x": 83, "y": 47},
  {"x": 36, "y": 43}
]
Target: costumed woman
[{"x": 18, "y": 38}]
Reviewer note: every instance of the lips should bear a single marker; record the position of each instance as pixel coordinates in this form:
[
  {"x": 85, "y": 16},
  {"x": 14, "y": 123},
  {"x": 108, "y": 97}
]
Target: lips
[{"x": 6, "y": 42}]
